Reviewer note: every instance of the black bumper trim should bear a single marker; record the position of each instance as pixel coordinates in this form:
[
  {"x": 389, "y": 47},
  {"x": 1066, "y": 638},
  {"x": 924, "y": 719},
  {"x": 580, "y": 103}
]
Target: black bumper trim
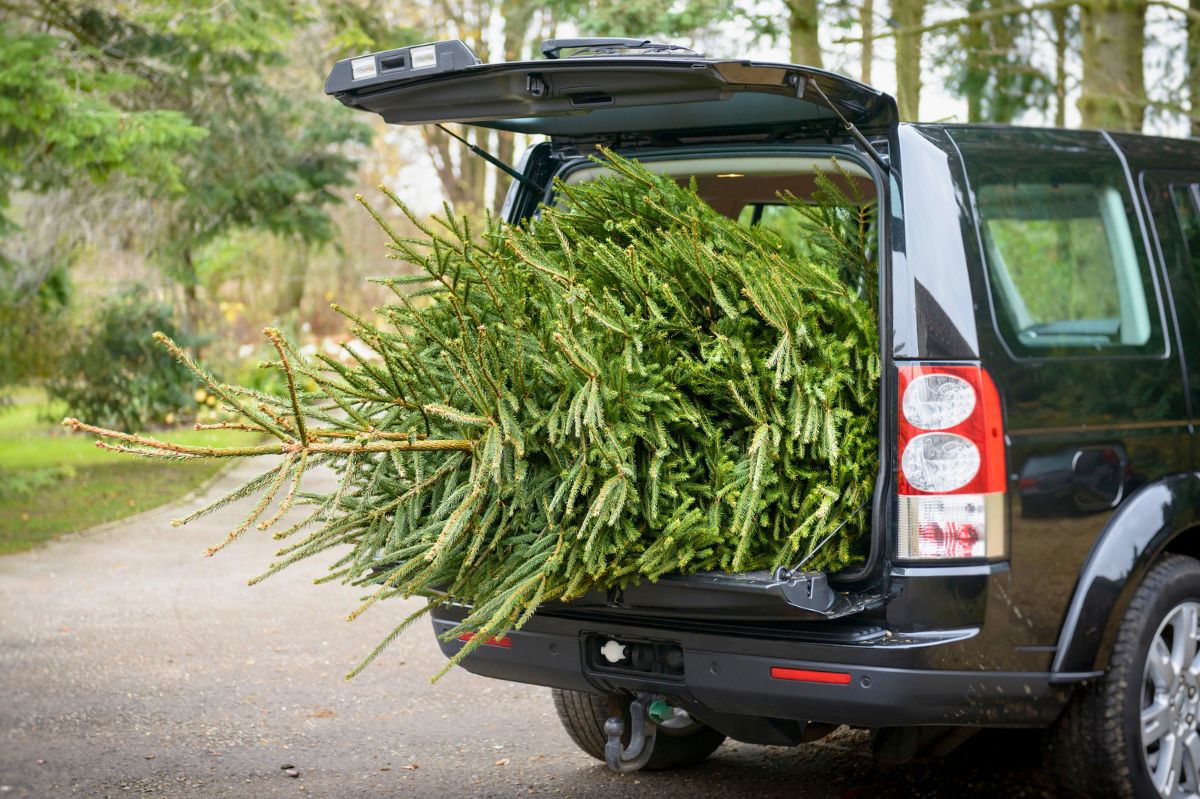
[{"x": 732, "y": 682}]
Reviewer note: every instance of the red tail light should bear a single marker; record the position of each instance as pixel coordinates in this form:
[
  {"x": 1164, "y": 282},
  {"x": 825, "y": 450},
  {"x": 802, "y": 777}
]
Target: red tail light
[
  {"x": 951, "y": 463},
  {"x": 502, "y": 641},
  {"x": 808, "y": 675}
]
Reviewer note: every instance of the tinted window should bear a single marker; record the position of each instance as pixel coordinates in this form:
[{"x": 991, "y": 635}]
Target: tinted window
[
  {"x": 1177, "y": 222},
  {"x": 1184, "y": 199},
  {"x": 1062, "y": 260},
  {"x": 1173, "y": 200},
  {"x": 1066, "y": 267}
]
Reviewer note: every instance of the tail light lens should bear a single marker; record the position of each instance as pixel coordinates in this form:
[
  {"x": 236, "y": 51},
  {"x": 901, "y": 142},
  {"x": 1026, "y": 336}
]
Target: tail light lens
[
  {"x": 940, "y": 462},
  {"x": 951, "y": 476}
]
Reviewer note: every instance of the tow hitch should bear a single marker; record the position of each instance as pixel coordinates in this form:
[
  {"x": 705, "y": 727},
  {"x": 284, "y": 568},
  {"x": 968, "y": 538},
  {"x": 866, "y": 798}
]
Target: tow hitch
[{"x": 646, "y": 712}]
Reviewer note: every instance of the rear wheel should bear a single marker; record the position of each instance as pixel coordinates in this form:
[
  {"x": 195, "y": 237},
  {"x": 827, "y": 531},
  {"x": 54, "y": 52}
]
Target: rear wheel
[
  {"x": 1133, "y": 733},
  {"x": 681, "y": 742}
]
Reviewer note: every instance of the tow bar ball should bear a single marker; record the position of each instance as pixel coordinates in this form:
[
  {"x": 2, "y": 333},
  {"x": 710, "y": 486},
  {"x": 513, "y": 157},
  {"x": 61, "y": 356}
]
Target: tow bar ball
[{"x": 646, "y": 712}]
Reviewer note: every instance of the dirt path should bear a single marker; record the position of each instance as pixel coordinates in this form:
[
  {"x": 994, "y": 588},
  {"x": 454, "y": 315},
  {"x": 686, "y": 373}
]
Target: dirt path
[{"x": 130, "y": 665}]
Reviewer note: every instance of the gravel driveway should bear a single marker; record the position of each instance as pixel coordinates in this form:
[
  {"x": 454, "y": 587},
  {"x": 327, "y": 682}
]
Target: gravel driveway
[{"x": 130, "y": 665}]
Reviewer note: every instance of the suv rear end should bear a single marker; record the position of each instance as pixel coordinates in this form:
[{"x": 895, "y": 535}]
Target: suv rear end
[
  {"x": 1036, "y": 447},
  {"x": 896, "y": 640}
]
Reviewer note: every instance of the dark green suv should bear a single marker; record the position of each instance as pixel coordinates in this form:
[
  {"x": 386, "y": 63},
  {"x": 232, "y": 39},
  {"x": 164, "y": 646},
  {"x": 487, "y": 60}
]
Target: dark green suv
[{"x": 1034, "y": 558}]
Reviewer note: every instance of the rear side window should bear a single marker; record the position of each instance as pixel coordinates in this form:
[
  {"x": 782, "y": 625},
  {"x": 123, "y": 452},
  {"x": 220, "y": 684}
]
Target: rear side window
[
  {"x": 1067, "y": 271},
  {"x": 1184, "y": 197}
]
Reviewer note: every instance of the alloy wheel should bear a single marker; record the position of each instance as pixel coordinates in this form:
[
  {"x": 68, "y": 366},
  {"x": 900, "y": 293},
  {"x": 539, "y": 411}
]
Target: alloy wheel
[{"x": 1171, "y": 704}]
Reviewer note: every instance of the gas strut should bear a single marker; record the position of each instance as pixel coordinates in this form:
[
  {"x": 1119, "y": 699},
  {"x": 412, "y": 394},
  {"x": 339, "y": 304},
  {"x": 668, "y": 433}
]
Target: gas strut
[{"x": 494, "y": 161}]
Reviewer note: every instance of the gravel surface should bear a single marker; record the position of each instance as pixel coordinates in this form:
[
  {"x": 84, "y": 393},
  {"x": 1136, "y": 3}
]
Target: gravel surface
[{"x": 130, "y": 665}]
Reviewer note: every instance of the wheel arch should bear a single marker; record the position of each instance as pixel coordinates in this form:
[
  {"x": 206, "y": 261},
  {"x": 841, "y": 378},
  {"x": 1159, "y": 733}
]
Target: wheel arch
[{"x": 1163, "y": 516}]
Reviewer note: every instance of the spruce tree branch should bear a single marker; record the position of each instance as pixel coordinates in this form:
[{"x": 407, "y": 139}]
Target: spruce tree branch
[
  {"x": 369, "y": 444},
  {"x": 275, "y": 337}
]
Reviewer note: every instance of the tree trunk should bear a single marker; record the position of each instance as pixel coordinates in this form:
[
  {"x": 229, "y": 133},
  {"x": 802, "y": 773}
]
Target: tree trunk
[
  {"x": 463, "y": 180},
  {"x": 517, "y": 14},
  {"x": 189, "y": 282},
  {"x": 293, "y": 278},
  {"x": 974, "y": 45},
  {"x": 803, "y": 26},
  {"x": 866, "y": 21},
  {"x": 1193, "y": 67},
  {"x": 1113, "y": 89},
  {"x": 909, "y": 16},
  {"x": 1059, "y": 16},
  {"x": 462, "y": 183}
]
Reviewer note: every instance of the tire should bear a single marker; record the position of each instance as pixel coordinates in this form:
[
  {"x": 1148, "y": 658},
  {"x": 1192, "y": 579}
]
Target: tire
[
  {"x": 1096, "y": 748},
  {"x": 583, "y": 716}
]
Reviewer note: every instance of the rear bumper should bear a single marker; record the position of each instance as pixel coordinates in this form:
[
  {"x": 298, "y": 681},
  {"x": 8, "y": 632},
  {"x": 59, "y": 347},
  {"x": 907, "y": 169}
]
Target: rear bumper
[{"x": 733, "y": 675}]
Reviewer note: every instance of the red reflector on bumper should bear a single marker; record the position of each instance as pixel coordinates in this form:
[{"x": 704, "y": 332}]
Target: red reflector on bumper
[
  {"x": 503, "y": 640},
  {"x": 805, "y": 675}
]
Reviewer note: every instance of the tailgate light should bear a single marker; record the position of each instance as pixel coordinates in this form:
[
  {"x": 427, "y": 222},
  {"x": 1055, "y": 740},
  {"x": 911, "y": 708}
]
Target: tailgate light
[
  {"x": 377, "y": 69},
  {"x": 503, "y": 641},
  {"x": 937, "y": 401},
  {"x": 940, "y": 462},
  {"x": 951, "y": 476},
  {"x": 807, "y": 675}
]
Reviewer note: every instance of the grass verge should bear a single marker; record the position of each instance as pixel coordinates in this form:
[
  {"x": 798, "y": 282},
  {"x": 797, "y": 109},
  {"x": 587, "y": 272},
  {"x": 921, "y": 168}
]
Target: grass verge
[{"x": 53, "y": 482}]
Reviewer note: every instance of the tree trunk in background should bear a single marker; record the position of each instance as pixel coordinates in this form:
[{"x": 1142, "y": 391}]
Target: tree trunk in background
[
  {"x": 909, "y": 16},
  {"x": 190, "y": 282},
  {"x": 463, "y": 181},
  {"x": 1113, "y": 89},
  {"x": 866, "y": 21},
  {"x": 293, "y": 278},
  {"x": 974, "y": 44},
  {"x": 457, "y": 186},
  {"x": 1193, "y": 67},
  {"x": 1059, "y": 17},
  {"x": 803, "y": 26},
  {"x": 1005, "y": 98},
  {"x": 517, "y": 16}
]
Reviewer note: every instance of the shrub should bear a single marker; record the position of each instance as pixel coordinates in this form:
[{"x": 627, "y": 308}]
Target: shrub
[{"x": 111, "y": 369}]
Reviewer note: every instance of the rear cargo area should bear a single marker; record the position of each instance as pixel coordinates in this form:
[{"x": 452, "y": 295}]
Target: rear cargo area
[{"x": 752, "y": 189}]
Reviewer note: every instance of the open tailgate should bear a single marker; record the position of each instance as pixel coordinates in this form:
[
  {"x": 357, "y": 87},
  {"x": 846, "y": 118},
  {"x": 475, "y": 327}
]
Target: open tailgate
[{"x": 586, "y": 95}]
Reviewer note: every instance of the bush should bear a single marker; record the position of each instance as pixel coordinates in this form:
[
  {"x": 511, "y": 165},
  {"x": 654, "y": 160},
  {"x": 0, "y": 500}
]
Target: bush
[
  {"x": 24, "y": 483},
  {"x": 112, "y": 370}
]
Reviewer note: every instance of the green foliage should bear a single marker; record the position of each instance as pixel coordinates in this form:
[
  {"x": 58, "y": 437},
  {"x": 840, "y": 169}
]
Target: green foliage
[
  {"x": 31, "y": 322},
  {"x": 110, "y": 370},
  {"x": 62, "y": 119},
  {"x": 29, "y": 482},
  {"x": 991, "y": 63},
  {"x": 634, "y": 385},
  {"x": 162, "y": 95}
]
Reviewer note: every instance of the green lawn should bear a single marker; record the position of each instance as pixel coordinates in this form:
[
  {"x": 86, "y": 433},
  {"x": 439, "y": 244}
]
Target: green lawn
[{"x": 69, "y": 484}]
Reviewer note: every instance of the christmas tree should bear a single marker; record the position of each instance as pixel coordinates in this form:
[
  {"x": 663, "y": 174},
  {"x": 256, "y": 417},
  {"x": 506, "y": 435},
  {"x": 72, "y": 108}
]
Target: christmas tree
[{"x": 630, "y": 385}]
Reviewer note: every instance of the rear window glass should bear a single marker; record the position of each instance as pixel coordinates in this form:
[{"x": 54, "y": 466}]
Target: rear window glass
[
  {"x": 783, "y": 219},
  {"x": 1184, "y": 198},
  {"x": 1066, "y": 267},
  {"x": 751, "y": 189}
]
